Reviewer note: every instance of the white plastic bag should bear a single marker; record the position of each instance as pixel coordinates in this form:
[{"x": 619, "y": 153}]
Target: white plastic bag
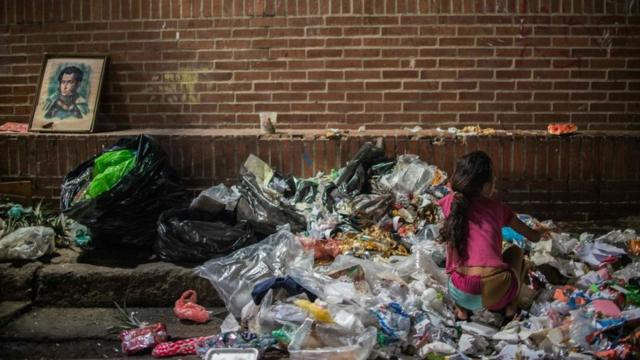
[{"x": 27, "y": 243}]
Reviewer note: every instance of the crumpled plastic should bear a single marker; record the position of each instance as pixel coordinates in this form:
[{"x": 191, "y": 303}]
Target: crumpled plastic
[
  {"x": 352, "y": 179},
  {"x": 334, "y": 346},
  {"x": 239, "y": 340},
  {"x": 519, "y": 351},
  {"x": 412, "y": 176},
  {"x": 393, "y": 321},
  {"x": 367, "y": 209},
  {"x": 216, "y": 198},
  {"x": 260, "y": 205},
  {"x": 179, "y": 347},
  {"x": 187, "y": 308},
  {"x": 29, "y": 242},
  {"x": 108, "y": 169},
  {"x": 197, "y": 235},
  {"x": 235, "y": 275},
  {"x": 136, "y": 340},
  {"x": 598, "y": 253}
]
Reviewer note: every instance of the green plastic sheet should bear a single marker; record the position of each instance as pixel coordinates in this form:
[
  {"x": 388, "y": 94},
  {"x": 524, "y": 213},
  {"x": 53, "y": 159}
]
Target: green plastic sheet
[{"x": 108, "y": 169}]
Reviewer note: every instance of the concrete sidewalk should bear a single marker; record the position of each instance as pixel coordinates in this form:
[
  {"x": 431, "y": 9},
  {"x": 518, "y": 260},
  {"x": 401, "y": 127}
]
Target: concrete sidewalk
[{"x": 70, "y": 333}]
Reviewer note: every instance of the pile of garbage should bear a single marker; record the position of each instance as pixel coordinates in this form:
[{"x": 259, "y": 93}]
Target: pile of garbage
[{"x": 346, "y": 265}]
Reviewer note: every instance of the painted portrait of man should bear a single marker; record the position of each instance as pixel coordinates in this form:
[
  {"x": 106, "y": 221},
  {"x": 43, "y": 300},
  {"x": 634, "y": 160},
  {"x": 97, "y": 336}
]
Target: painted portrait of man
[
  {"x": 68, "y": 93},
  {"x": 66, "y": 102}
]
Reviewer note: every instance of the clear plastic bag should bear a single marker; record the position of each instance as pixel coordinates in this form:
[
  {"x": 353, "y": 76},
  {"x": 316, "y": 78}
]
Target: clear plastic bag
[
  {"x": 235, "y": 275},
  {"x": 27, "y": 243},
  {"x": 342, "y": 348},
  {"x": 217, "y": 197},
  {"x": 412, "y": 176}
]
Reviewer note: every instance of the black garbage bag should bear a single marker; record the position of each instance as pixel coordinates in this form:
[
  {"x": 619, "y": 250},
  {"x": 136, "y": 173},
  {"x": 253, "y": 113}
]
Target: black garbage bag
[
  {"x": 196, "y": 235},
  {"x": 368, "y": 209},
  {"x": 262, "y": 211},
  {"x": 127, "y": 213},
  {"x": 369, "y": 161}
]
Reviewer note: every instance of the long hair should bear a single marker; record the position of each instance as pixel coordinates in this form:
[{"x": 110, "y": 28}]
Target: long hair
[{"x": 472, "y": 172}]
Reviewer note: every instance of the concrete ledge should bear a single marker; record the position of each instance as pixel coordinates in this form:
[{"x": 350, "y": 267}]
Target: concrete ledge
[
  {"x": 17, "y": 281},
  {"x": 152, "y": 284}
]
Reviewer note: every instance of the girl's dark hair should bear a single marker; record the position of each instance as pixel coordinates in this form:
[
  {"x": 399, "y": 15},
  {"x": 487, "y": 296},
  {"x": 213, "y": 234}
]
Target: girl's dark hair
[{"x": 472, "y": 172}]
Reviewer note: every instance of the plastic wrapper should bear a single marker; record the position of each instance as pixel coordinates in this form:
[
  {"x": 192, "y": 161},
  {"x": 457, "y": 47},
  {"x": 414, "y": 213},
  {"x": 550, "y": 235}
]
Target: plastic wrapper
[
  {"x": 618, "y": 238},
  {"x": 229, "y": 324},
  {"x": 195, "y": 235},
  {"x": 353, "y": 347},
  {"x": 288, "y": 314},
  {"x": 127, "y": 213},
  {"x": 629, "y": 272},
  {"x": 237, "y": 340},
  {"x": 235, "y": 275},
  {"x": 352, "y": 179},
  {"x": 216, "y": 198},
  {"x": 179, "y": 347},
  {"x": 520, "y": 352},
  {"x": 79, "y": 233},
  {"x": 598, "y": 253},
  {"x": 186, "y": 307},
  {"x": 471, "y": 345},
  {"x": 108, "y": 169},
  {"x": 581, "y": 327},
  {"x": 393, "y": 320},
  {"x": 512, "y": 236},
  {"x": 264, "y": 212},
  {"x": 369, "y": 268},
  {"x": 368, "y": 209},
  {"x": 412, "y": 176},
  {"x": 136, "y": 340},
  {"x": 29, "y": 242}
]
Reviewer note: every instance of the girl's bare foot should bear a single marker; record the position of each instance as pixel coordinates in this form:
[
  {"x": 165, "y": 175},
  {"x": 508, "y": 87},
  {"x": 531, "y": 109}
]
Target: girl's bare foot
[
  {"x": 511, "y": 310},
  {"x": 461, "y": 314}
]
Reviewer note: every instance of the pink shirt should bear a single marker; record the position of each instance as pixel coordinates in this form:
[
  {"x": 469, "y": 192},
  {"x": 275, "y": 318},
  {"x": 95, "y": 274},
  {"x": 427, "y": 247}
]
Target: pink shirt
[{"x": 484, "y": 245}]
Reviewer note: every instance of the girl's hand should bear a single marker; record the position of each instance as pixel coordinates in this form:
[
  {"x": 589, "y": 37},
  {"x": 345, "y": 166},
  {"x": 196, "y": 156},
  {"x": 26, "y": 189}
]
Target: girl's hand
[{"x": 545, "y": 234}]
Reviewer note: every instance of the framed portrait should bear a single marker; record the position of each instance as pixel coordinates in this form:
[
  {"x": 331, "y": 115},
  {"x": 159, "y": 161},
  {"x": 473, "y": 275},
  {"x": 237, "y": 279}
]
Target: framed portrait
[{"x": 68, "y": 93}]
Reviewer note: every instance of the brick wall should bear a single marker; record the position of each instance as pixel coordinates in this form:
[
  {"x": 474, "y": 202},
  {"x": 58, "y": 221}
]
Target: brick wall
[
  {"x": 340, "y": 63},
  {"x": 588, "y": 176}
]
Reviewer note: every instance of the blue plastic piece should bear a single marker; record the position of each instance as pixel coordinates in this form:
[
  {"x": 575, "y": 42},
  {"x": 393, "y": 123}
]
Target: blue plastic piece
[{"x": 512, "y": 236}]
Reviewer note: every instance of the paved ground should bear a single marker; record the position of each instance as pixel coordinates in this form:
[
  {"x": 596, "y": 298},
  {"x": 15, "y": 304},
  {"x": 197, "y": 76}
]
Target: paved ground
[{"x": 84, "y": 332}]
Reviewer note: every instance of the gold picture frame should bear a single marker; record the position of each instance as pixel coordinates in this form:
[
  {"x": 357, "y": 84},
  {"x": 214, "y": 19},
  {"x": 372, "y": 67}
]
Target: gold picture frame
[{"x": 68, "y": 95}]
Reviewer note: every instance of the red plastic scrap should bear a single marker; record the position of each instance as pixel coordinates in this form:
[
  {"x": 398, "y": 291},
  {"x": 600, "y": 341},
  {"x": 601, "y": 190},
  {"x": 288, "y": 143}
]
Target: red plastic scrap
[
  {"x": 14, "y": 127},
  {"x": 135, "y": 340},
  {"x": 186, "y": 307},
  {"x": 326, "y": 249},
  {"x": 180, "y": 347},
  {"x": 562, "y": 128}
]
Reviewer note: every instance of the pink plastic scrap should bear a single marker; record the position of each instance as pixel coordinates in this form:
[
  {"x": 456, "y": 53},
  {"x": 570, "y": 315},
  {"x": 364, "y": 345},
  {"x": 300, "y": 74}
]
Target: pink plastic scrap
[
  {"x": 186, "y": 307},
  {"x": 14, "y": 127},
  {"x": 606, "y": 307}
]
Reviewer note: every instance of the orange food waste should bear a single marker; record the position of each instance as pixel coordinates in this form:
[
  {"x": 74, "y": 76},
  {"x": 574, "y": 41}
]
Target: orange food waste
[{"x": 562, "y": 128}]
